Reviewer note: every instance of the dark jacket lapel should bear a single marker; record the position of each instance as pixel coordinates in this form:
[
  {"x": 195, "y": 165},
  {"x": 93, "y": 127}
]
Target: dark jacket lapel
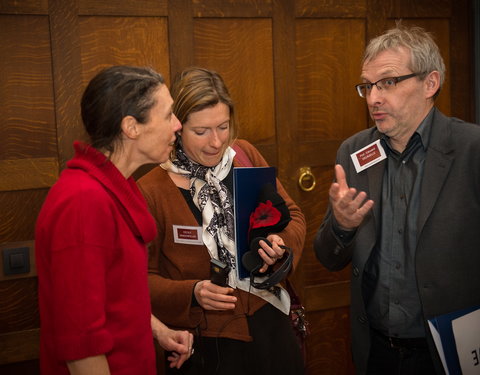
[{"x": 437, "y": 164}]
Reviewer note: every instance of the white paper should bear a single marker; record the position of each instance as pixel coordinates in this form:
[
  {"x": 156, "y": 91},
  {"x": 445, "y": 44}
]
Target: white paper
[{"x": 466, "y": 331}]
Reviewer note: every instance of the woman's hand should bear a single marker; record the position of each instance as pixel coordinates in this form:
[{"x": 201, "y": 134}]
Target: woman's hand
[
  {"x": 179, "y": 343},
  {"x": 270, "y": 254},
  {"x": 214, "y": 297}
]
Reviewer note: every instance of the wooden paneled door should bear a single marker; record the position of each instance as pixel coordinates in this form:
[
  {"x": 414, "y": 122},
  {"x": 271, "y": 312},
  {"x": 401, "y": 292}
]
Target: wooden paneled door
[{"x": 291, "y": 66}]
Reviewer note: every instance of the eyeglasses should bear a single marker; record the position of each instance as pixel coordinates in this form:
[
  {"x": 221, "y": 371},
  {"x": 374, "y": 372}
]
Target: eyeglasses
[{"x": 382, "y": 84}]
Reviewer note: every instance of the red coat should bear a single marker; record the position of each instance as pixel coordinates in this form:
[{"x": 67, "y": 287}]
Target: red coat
[{"x": 92, "y": 269}]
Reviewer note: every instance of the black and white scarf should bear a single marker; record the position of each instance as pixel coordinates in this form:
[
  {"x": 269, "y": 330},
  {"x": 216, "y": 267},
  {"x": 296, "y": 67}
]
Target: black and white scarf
[{"x": 214, "y": 201}]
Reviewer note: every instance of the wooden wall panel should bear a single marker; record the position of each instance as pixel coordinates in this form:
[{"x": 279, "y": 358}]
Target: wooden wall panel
[
  {"x": 18, "y": 213},
  {"x": 24, "y": 7},
  {"x": 229, "y": 9},
  {"x": 26, "y": 95},
  {"x": 180, "y": 35},
  {"x": 314, "y": 205},
  {"x": 67, "y": 77},
  {"x": 462, "y": 60},
  {"x": 241, "y": 51},
  {"x": 123, "y": 8},
  {"x": 420, "y": 8},
  {"x": 21, "y": 347},
  {"x": 330, "y": 8},
  {"x": 328, "y": 336},
  {"x": 24, "y": 174},
  {"x": 123, "y": 40},
  {"x": 283, "y": 28},
  {"x": 329, "y": 53},
  {"x": 19, "y": 309}
]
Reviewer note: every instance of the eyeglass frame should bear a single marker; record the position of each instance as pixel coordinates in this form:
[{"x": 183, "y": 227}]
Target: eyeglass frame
[{"x": 395, "y": 79}]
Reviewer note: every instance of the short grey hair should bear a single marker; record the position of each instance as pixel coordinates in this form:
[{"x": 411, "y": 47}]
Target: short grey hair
[{"x": 424, "y": 52}]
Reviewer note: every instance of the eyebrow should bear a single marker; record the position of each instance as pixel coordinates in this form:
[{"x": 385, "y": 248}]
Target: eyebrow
[{"x": 386, "y": 74}]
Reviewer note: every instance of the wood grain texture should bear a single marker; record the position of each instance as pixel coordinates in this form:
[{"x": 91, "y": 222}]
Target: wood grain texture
[
  {"x": 18, "y": 213},
  {"x": 328, "y": 66},
  {"x": 109, "y": 41},
  {"x": 26, "y": 88},
  {"x": 147, "y": 8},
  {"x": 19, "y": 346},
  {"x": 327, "y": 296},
  {"x": 421, "y": 9},
  {"x": 283, "y": 24},
  {"x": 19, "y": 308},
  {"x": 328, "y": 345},
  {"x": 330, "y": 8},
  {"x": 24, "y": 7},
  {"x": 24, "y": 174},
  {"x": 241, "y": 51},
  {"x": 180, "y": 35},
  {"x": 462, "y": 60},
  {"x": 230, "y": 9},
  {"x": 66, "y": 66}
]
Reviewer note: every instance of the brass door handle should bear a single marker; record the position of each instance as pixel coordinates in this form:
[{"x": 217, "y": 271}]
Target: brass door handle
[{"x": 306, "y": 181}]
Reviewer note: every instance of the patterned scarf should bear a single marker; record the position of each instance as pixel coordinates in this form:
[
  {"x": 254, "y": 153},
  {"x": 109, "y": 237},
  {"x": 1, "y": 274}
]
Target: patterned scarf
[{"x": 214, "y": 201}]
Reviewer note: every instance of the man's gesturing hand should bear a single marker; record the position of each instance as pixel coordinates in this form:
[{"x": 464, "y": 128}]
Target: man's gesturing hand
[{"x": 349, "y": 207}]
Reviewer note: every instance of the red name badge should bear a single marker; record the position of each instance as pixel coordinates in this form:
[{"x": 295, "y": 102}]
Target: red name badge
[
  {"x": 187, "y": 235},
  {"x": 368, "y": 156}
]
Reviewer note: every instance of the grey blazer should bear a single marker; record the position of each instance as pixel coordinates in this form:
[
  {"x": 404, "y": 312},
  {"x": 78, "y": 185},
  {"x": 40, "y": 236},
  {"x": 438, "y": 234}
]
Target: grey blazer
[{"x": 447, "y": 257}]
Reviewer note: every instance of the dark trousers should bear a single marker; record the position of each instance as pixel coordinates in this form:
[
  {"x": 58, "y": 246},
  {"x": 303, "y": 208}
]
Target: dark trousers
[
  {"x": 273, "y": 351},
  {"x": 399, "y": 356}
]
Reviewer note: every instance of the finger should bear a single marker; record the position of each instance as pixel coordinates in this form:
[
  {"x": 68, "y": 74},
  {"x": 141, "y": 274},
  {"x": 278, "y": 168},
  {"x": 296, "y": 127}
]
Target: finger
[
  {"x": 341, "y": 177},
  {"x": 267, "y": 250},
  {"x": 365, "y": 208},
  {"x": 181, "y": 360},
  {"x": 220, "y": 306},
  {"x": 275, "y": 239},
  {"x": 268, "y": 258},
  {"x": 264, "y": 268},
  {"x": 180, "y": 348},
  {"x": 345, "y": 202},
  {"x": 359, "y": 200}
]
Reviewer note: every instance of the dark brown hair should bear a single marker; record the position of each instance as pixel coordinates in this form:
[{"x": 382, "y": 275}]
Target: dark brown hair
[{"x": 114, "y": 93}]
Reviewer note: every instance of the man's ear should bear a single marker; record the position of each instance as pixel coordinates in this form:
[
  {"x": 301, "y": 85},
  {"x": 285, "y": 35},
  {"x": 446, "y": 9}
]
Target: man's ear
[
  {"x": 432, "y": 83},
  {"x": 129, "y": 127}
]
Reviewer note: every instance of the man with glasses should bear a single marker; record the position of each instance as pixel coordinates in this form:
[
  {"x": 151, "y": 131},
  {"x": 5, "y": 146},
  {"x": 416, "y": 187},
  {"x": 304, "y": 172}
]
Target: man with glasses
[{"x": 404, "y": 209}]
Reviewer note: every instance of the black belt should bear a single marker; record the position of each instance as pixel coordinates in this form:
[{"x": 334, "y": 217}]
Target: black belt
[{"x": 402, "y": 343}]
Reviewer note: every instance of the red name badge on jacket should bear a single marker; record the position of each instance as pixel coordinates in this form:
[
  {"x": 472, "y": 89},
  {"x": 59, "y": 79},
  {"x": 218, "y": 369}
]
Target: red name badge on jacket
[
  {"x": 368, "y": 156},
  {"x": 187, "y": 235}
]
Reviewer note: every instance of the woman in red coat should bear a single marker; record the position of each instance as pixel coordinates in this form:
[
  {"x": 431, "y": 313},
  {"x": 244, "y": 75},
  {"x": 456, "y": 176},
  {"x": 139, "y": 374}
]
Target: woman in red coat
[{"x": 92, "y": 232}]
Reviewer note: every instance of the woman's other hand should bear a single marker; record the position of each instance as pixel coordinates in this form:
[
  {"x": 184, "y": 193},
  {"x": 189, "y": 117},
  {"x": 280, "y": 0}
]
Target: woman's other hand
[
  {"x": 270, "y": 254},
  {"x": 179, "y": 343},
  {"x": 214, "y": 297}
]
